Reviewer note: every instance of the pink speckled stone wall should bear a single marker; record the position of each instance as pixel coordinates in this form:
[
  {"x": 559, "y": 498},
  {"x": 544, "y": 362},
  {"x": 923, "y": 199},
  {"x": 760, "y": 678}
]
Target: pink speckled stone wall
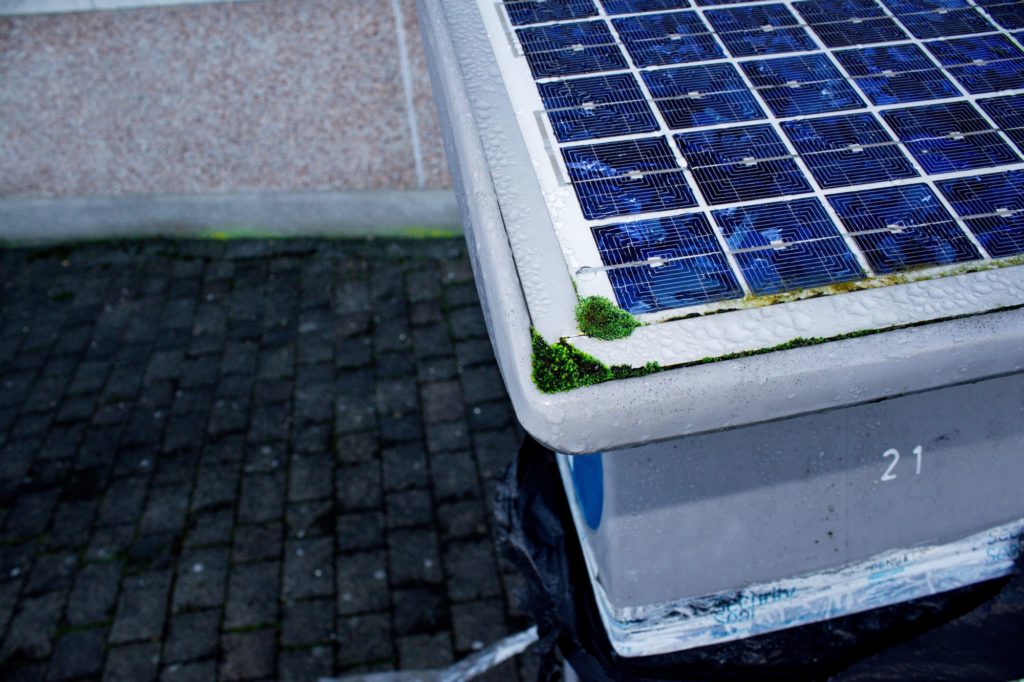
[{"x": 271, "y": 95}]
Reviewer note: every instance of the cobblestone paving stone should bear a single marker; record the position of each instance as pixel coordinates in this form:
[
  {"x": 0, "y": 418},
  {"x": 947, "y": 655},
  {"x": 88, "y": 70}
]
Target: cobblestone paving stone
[{"x": 248, "y": 460}]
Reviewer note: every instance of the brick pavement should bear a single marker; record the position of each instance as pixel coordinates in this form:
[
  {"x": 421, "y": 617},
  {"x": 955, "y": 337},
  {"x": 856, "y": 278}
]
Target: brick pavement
[{"x": 247, "y": 460}]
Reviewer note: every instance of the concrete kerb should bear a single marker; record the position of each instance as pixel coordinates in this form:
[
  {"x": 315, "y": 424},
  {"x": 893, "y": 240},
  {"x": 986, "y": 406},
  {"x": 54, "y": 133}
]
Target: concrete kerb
[{"x": 408, "y": 213}]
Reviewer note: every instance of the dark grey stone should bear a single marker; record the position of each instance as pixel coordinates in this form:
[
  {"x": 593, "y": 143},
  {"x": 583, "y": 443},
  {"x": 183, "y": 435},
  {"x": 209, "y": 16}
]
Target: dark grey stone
[
  {"x": 478, "y": 624},
  {"x": 307, "y": 622},
  {"x": 248, "y": 655},
  {"x": 94, "y": 594},
  {"x": 192, "y": 636},
  {"x": 482, "y": 384},
  {"x": 495, "y": 450},
  {"x": 308, "y": 568},
  {"x": 165, "y": 509},
  {"x": 311, "y": 477},
  {"x": 196, "y": 671},
  {"x": 304, "y": 665},
  {"x": 310, "y": 519},
  {"x": 141, "y": 609},
  {"x": 78, "y": 654},
  {"x": 364, "y": 639},
  {"x": 404, "y": 466},
  {"x": 470, "y": 570},
  {"x": 252, "y": 594},
  {"x": 454, "y": 475},
  {"x": 200, "y": 579},
  {"x": 462, "y": 519},
  {"x": 262, "y": 498},
  {"x": 358, "y": 486},
  {"x": 353, "y": 448},
  {"x": 360, "y": 531},
  {"x": 448, "y": 436},
  {"x": 51, "y": 573},
  {"x": 409, "y": 508},
  {"x": 419, "y": 609},
  {"x": 132, "y": 663},
  {"x": 425, "y": 652},
  {"x": 414, "y": 557},
  {"x": 362, "y": 582},
  {"x": 31, "y": 631},
  {"x": 256, "y": 543},
  {"x": 442, "y": 401}
]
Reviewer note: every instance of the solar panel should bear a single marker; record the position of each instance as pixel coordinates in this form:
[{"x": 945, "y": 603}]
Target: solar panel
[
  {"x": 600, "y": 106},
  {"x": 740, "y": 164},
  {"x": 670, "y": 38},
  {"x": 896, "y": 74},
  {"x": 666, "y": 263},
  {"x": 949, "y": 137},
  {"x": 618, "y": 178},
  {"x": 788, "y": 245},
  {"x": 903, "y": 227},
  {"x": 992, "y": 206},
  {"x": 848, "y": 150},
  {"x": 724, "y": 149},
  {"x": 536, "y": 11},
  {"x": 849, "y": 22}
]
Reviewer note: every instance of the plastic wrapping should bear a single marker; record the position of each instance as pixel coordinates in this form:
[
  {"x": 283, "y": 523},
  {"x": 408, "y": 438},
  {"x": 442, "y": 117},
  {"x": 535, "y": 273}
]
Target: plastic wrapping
[{"x": 974, "y": 633}]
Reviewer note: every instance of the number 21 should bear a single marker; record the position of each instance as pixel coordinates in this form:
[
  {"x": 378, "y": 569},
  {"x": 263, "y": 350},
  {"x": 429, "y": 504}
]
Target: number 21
[{"x": 895, "y": 455}]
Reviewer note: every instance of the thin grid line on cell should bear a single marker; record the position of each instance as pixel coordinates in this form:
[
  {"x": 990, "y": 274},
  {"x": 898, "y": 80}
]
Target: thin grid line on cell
[
  {"x": 665, "y": 263},
  {"x": 633, "y": 176},
  {"x": 787, "y": 245},
  {"x": 902, "y": 228},
  {"x": 949, "y": 137},
  {"x": 992, "y": 207}
]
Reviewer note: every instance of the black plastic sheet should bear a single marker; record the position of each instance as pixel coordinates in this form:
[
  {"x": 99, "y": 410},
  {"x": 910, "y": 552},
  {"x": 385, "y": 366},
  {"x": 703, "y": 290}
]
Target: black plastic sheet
[{"x": 975, "y": 633}]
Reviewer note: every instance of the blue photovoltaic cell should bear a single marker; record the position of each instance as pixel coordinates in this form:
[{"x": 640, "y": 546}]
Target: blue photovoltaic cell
[
  {"x": 762, "y": 29},
  {"x": 982, "y": 63},
  {"x": 670, "y": 263},
  {"x": 848, "y": 150},
  {"x": 993, "y": 208},
  {"x": 806, "y": 84},
  {"x": 898, "y": 228},
  {"x": 1008, "y": 113},
  {"x": 913, "y": 6},
  {"x": 840, "y": 23},
  {"x": 619, "y": 178},
  {"x": 1010, "y": 16},
  {"x": 522, "y": 12},
  {"x": 570, "y": 49},
  {"x": 787, "y": 245},
  {"x": 630, "y": 6},
  {"x": 669, "y": 38},
  {"x": 738, "y": 164},
  {"x": 739, "y": 19},
  {"x": 598, "y": 106},
  {"x": 949, "y": 137},
  {"x": 825, "y": 11},
  {"x": 955, "y": 22},
  {"x": 693, "y": 96},
  {"x": 781, "y": 245},
  {"x": 896, "y": 74}
]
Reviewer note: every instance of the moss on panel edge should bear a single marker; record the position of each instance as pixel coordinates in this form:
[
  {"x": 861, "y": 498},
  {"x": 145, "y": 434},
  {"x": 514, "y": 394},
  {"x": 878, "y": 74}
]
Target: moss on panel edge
[
  {"x": 561, "y": 367},
  {"x": 599, "y": 318}
]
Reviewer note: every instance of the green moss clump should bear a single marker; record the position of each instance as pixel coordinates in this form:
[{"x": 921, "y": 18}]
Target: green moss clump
[
  {"x": 561, "y": 367},
  {"x": 600, "y": 318}
]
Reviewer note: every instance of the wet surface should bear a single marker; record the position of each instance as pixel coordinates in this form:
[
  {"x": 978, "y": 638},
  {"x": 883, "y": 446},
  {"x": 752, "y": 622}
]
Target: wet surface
[{"x": 248, "y": 460}]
